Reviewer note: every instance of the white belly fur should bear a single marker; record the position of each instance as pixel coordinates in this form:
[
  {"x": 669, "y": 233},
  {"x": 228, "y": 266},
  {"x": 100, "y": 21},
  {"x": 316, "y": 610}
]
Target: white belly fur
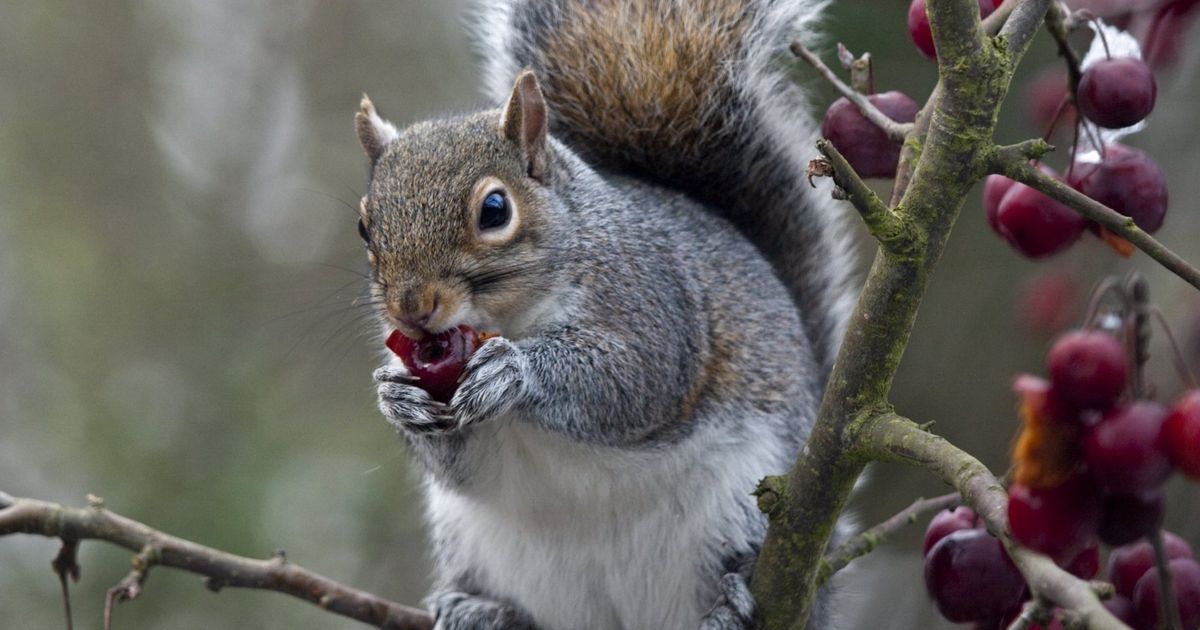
[{"x": 596, "y": 537}]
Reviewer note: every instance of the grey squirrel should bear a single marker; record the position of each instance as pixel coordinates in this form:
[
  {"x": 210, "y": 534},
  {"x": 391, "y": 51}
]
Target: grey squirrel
[{"x": 634, "y": 222}]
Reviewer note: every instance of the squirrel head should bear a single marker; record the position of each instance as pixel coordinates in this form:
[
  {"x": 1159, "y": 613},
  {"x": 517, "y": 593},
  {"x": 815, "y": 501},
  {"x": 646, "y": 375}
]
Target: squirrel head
[{"x": 458, "y": 217}]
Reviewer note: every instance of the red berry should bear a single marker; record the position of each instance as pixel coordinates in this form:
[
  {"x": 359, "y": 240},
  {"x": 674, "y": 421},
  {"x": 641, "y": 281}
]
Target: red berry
[
  {"x": 438, "y": 360},
  {"x": 1181, "y": 431},
  {"x": 1086, "y": 564},
  {"x": 1121, "y": 607},
  {"x": 1128, "y": 181},
  {"x": 994, "y": 189},
  {"x": 1058, "y": 521},
  {"x": 1117, "y": 93},
  {"x": 864, "y": 145},
  {"x": 918, "y": 24},
  {"x": 1087, "y": 369},
  {"x": 1125, "y": 451},
  {"x": 1049, "y": 301},
  {"x": 1129, "y": 517},
  {"x": 1036, "y": 225},
  {"x": 1127, "y": 564},
  {"x": 1046, "y": 95},
  {"x": 1185, "y": 574},
  {"x": 970, "y": 578},
  {"x": 947, "y": 522}
]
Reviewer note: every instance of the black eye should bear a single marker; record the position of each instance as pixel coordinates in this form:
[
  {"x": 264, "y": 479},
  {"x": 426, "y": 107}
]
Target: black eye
[
  {"x": 362, "y": 231},
  {"x": 495, "y": 211}
]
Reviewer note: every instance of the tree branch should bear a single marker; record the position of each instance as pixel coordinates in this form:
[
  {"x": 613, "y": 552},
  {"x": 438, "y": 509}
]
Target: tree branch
[
  {"x": 994, "y": 22},
  {"x": 890, "y": 437},
  {"x": 867, "y": 541},
  {"x": 1019, "y": 169},
  {"x": 893, "y": 231},
  {"x": 1056, "y": 24},
  {"x": 30, "y": 516},
  {"x": 957, "y": 35},
  {"x": 1023, "y": 24},
  {"x": 895, "y": 131},
  {"x": 803, "y": 506}
]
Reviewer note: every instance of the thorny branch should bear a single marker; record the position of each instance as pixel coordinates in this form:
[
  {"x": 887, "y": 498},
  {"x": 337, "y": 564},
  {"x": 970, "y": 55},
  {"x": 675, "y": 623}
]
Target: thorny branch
[{"x": 155, "y": 548}]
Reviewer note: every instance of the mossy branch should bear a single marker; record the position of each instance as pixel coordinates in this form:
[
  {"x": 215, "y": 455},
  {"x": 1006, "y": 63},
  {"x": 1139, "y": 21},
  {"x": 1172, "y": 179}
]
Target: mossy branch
[
  {"x": 940, "y": 166},
  {"x": 893, "y": 231},
  {"x": 155, "y": 548}
]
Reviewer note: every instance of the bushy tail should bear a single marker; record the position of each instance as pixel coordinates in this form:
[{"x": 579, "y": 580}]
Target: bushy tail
[{"x": 693, "y": 94}]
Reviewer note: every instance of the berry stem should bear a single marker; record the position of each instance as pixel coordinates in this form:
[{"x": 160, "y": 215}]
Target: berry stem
[
  {"x": 1138, "y": 332},
  {"x": 1106, "y": 286},
  {"x": 1170, "y": 610},
  {"x": 1181, "y": 366},
  {"x": 1058, "y": 114},
  {"x": 1100, "y": 33},
  {"x": 1056, "y": 19}
]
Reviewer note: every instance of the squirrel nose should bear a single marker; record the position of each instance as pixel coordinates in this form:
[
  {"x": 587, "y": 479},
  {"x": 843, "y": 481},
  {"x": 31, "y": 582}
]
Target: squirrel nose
[{"x": 418, "y": 313}]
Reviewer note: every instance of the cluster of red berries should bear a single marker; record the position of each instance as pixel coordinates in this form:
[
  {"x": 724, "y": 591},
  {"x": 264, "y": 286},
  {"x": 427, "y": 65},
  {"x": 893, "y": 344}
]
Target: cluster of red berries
[
  {"x": 1089, "y": 466},
  {"x": 1125, "y": 179},
  {"x": 972, "y": 580},
  {"x": 1112, "y": 93}
]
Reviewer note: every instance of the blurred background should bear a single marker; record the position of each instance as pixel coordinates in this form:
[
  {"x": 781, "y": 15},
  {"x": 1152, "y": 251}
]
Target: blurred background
[{"x": 179, "y": 266}]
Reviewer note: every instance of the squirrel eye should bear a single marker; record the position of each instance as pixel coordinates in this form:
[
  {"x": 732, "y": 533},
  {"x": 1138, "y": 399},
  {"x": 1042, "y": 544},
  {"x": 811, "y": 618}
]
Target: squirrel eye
[
  {"x": 362, "y": 231},
  {"x": 495, "y": 212}
]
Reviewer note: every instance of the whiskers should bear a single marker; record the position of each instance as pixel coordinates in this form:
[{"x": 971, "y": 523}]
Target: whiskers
[
  {"x": 333, "y": 325},
  {"x": 519, "y": 274}
]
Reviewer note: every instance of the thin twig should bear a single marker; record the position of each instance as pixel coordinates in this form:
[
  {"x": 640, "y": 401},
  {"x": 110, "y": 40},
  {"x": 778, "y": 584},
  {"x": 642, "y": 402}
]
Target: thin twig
[
  {"x": 1021, "y": 26},
  {"x": 1137, "y": 321},
  {"x": 131, "y": 585},
  {"x": 1056, "y": 24},
  {"x": 870, "y": 539},
  {"x": 65, "y": 564},
  {"x": 30, "y": 516},
  {"x": 1170, "y": 609},
  {"x": 994, "y": 22},
  {"x": 895, "y": 131},
  {"x": 1093, "y": 210},
  {"x": 910, "y": 153}
]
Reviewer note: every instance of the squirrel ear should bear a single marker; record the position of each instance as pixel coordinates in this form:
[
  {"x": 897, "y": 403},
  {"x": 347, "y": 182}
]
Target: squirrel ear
[
  {"x": 373, "y": 132},
  {"x": 524, "y": 122}
]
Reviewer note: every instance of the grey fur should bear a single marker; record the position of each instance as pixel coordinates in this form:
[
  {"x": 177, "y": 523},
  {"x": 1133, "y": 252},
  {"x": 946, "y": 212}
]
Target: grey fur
[{"x": 653, "y": 364}]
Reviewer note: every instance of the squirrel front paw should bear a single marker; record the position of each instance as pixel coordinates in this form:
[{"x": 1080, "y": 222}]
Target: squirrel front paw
[
  {"x": 462, "y": 611},
  {"x": 494, "y": 380},
  {"x": 734, "y": 609},
  {"x": 408, "y": 407}
]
